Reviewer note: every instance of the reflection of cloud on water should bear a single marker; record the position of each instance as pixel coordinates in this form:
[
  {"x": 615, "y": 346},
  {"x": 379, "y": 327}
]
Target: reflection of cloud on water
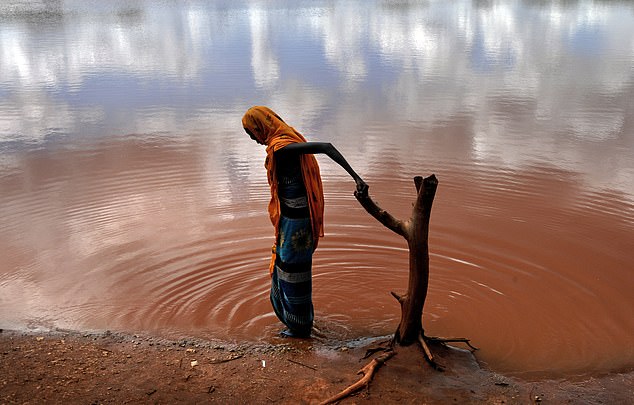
[
  {"x": 266, "y": 70},
  {"x": 596, "y": 125},
  {"x": 537, "y": 72},
  {"x": 63, "y": 68},
  {"x": 343, "y": 33}
]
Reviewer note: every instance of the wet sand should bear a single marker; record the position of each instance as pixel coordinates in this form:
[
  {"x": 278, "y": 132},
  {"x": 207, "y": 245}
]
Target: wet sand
[{"x": 75, "y": 367}]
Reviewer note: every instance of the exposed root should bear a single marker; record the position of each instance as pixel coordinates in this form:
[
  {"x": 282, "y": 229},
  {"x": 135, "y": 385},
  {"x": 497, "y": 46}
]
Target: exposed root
[
  {"x": 422, "y": 339},
  {"x": 369, "y": 369},
  {"x": 451, "y": 340},
  {"x": 368, "y": 372},
  {"x": 383, "y": 346},
  {"x": 428, "y": 356}
]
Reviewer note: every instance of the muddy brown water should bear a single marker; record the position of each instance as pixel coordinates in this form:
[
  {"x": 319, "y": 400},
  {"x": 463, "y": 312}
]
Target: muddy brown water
[{"x": 131, "y": 200}]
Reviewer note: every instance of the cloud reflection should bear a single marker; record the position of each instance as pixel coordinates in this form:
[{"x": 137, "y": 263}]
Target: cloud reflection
[
  {"x": 529, "y": 77},
  {"x": 266, "y": 70}
]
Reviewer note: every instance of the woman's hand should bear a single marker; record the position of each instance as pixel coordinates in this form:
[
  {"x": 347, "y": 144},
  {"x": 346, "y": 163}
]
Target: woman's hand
[{"x": 362, "y": 188}]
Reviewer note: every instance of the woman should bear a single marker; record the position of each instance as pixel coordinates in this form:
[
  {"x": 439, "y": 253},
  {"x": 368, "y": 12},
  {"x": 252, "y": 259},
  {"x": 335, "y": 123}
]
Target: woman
[{"x": 296, "y": 210}]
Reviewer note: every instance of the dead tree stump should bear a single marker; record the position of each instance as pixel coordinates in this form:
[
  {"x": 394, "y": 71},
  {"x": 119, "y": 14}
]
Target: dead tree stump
[{"x": 415, "y": 230}]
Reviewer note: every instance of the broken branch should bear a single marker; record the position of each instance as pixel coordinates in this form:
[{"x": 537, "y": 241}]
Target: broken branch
[
  {"x": 399, "y": 298},
  {"x": 381, "y": 215},
  {"x": 368, "y": 372}
]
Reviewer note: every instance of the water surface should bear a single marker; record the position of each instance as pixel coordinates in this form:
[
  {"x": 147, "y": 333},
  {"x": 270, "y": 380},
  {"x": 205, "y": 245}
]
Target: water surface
[{"x": 131, "y": 199}]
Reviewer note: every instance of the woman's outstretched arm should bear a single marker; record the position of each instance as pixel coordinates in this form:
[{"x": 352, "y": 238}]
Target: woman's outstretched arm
[{"x": 329, "y": 150}]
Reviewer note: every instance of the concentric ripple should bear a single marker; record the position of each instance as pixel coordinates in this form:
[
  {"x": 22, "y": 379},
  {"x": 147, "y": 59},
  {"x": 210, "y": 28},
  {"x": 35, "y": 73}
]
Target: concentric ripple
[{"x": 528, "y": 264}]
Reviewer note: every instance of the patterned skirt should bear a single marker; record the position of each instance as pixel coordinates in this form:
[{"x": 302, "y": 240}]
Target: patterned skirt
[{"x": 291, "y": 283}]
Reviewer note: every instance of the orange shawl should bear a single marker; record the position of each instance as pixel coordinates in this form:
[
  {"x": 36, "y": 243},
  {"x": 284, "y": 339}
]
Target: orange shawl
[{"x": 272, "y": 131}]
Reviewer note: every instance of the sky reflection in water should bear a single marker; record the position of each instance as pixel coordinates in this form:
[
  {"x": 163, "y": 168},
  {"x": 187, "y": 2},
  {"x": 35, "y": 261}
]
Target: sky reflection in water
[{"x": 536, "y": 82}]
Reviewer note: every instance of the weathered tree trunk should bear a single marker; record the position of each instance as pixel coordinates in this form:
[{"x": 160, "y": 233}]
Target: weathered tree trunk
[
  {"x": 415, "y": 231},
  {"x": 410, "y": 329}
]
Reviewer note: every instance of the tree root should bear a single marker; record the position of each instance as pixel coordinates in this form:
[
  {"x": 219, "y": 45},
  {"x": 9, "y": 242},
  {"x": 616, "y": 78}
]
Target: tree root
[
  {"x": 384, "y": 346},
  {"x": 422, "y": 339},
  {"x": 444, "y": 341},
  {"x": 369, "y": 369},
  {"x": 428, "y": 356},
  {"x": 368, "y": 372}
]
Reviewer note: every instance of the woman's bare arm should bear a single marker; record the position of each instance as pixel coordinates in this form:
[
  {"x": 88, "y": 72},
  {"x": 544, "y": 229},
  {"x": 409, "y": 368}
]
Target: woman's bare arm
[{"x": 328, "y": 149}]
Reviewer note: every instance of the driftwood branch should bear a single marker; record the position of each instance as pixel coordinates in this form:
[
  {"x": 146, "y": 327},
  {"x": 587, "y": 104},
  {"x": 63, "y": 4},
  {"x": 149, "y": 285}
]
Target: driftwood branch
[{"x": 368, "y": 372}]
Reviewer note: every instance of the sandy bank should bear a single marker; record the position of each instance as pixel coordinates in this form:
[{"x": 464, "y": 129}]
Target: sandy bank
[{"x": 73, "y": 367}]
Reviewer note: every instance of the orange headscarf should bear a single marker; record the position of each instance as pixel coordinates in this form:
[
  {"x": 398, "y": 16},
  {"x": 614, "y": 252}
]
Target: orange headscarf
[{"x": 272, "y": 131}]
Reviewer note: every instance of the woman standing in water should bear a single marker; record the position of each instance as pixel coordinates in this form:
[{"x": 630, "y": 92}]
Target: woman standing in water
[{"x": 296, "y": 210}]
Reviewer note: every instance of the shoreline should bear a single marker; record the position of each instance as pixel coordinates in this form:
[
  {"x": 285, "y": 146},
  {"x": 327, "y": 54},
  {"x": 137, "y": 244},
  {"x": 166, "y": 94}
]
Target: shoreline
[{"x": 113, "y": 367}]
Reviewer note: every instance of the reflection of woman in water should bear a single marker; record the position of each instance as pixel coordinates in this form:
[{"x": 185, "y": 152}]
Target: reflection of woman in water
[{"x": 296, "y": 210}]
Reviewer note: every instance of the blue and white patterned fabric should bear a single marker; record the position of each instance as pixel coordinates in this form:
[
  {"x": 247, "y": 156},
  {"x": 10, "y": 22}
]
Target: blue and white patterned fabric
[{"x": 291, "y": 283}]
